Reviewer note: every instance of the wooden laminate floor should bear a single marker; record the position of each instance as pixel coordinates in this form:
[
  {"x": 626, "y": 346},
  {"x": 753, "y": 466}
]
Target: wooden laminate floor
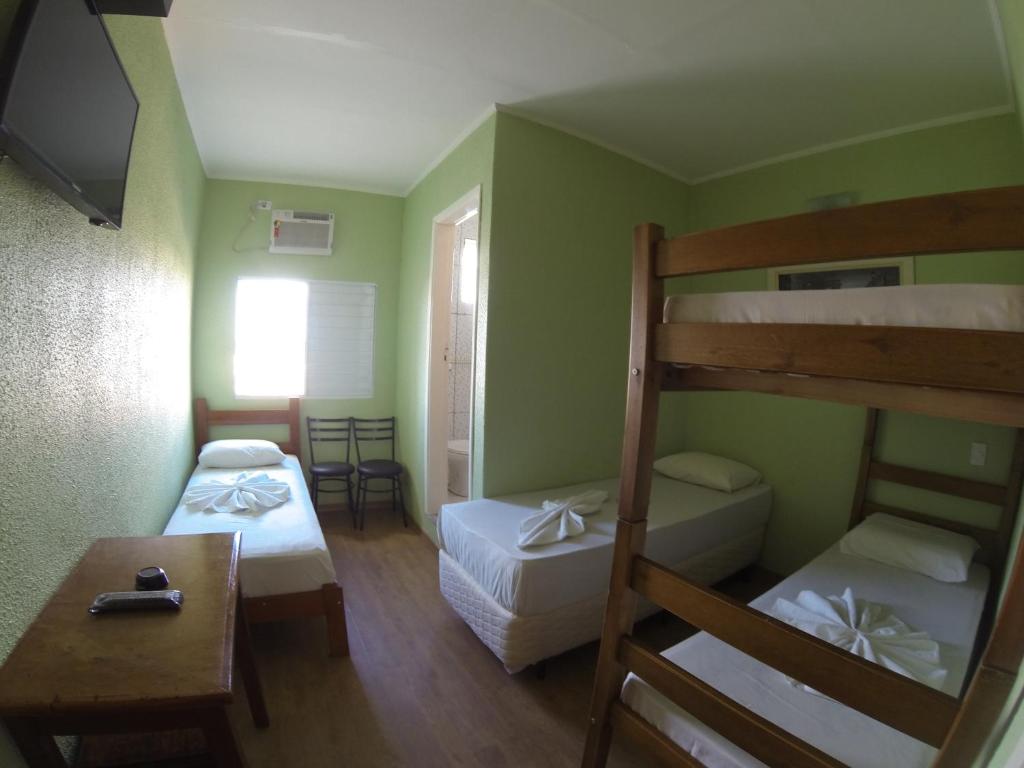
[{"x": 419, "y": 688}]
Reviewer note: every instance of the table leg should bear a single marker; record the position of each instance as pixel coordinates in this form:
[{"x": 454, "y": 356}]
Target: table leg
[
  {"x": 35, "y": 743},
  {"x": 250, "y": 672},
  {"x": 220, "y": 739}
]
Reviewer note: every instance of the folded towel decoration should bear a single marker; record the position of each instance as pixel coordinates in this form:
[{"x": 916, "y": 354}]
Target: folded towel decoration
[
  {"x": 246, "y": 493},
  {"x": 560, "y": 519},
  {"x": 866, "y": 629}
]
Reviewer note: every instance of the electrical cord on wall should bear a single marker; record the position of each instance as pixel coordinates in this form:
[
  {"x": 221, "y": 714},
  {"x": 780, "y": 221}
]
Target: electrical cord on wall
[{"x": 252, "y": 219}]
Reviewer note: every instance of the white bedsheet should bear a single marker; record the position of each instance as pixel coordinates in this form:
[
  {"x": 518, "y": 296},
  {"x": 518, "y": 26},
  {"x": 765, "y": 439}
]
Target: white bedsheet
[
  {"x": 684, "y": 520},
  {"x": 283, "y": 549},
  {"x": 948, "y": 612},
  {"x": 973, "y": 307}
]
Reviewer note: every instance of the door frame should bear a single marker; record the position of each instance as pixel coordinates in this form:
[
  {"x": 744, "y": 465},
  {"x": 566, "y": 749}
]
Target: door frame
[{"x": 442, "y": 244}]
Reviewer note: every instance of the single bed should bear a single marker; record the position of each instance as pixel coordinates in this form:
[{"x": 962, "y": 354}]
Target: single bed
[
  {"x": 949, "y": 612},
  {"x": 529, "y": 604},
  {"x": 286, "y": 569},
  {"x": 283, "y": 549}
]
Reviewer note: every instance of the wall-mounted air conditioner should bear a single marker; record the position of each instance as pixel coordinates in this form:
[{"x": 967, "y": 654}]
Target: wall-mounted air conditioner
[{"x": 302, "y": 232}]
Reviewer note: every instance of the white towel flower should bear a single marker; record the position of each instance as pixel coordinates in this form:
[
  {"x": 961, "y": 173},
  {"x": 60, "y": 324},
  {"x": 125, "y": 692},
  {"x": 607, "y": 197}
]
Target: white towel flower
[
  {"x": 866, "y": 629},
  {"x": 560, "y": 519},
  {"x": 246, "y": 493}
]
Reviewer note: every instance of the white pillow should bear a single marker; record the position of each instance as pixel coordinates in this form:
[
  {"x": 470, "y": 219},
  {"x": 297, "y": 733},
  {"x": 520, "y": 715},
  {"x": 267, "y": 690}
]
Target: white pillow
[
  {"x": 236, "y": 454},
  {"x": 707, "y": 470},
  {"x": 936, "y": 552}
]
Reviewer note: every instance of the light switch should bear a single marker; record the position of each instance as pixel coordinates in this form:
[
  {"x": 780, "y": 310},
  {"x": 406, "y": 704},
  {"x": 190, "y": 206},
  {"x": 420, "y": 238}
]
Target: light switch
[{"x": 979, "y": 452}]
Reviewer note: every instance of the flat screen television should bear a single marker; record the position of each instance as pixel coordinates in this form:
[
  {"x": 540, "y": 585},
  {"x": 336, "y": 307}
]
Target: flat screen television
[{"x": 67, "y": 110}]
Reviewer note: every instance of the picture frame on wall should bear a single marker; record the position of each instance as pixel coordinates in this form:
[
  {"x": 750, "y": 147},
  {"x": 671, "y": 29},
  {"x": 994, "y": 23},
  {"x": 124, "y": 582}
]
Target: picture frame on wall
[{"x": 869, "y": 273}]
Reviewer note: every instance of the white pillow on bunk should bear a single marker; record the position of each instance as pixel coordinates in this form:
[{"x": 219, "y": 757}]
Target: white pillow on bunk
[
  {"x": 238, "y": 454},
  {"x": 710, "y": 471},
  {"x": 936, "y": 552}
]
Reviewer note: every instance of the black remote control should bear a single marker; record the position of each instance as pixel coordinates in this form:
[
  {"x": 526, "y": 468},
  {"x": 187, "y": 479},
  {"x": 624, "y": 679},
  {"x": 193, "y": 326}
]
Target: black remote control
[{"x": 107, "y": 602}]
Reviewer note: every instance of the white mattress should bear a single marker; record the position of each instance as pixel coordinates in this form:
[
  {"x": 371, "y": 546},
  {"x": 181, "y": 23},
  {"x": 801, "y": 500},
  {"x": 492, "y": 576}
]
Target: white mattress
[
  {"x": 519, "y": 641},
  {"x": 948, "y": 612},
  {"x": 972, "y": 307},
  {"x": 283, "y": 549},
  {"x": 683, "y": 520}
]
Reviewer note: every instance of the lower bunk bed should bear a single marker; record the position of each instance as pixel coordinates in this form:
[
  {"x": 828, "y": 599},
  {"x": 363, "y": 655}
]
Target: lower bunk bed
[
  {"x": 286, "y": 571},
  {"x": 527, "y": 605},
  {"x": 950, "y": 613}
]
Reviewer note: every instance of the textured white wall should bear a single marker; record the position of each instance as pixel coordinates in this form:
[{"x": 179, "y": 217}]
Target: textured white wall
[{"x": 95, "y": 384}]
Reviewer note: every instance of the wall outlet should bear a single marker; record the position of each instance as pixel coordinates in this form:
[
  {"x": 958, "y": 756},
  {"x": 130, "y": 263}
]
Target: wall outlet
[
  {"x": 833, "y": 201},
  {"x": 262, "y": 205},
  {"x": 979, "y": 452}
]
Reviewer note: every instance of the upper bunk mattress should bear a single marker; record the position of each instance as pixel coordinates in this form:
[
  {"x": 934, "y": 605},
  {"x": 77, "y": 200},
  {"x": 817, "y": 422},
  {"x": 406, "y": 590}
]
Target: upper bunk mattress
[
  {"x": 949, "y": 612},
  {"x": 970, "y": 307},
  {"x": 683, "y": 520},
  {"x": 283, "y": 549}
]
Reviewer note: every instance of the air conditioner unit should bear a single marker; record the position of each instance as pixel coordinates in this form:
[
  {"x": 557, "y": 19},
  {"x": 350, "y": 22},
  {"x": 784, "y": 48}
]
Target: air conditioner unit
[{"x": 303, "y": 232}]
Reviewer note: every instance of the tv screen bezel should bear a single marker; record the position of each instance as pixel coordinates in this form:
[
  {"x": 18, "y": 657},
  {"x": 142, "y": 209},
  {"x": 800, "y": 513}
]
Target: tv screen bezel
[{"x": 21, "y": 150}]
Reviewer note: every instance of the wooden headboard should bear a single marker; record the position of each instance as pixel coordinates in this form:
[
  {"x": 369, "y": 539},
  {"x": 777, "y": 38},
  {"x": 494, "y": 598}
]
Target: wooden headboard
[
  {"x": 205, "y": 418},
  {"x": 995, "y": 543}
]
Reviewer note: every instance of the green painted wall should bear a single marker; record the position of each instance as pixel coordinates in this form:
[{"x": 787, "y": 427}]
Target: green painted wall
[
  {"x": 557, "y": 354},
  {"x": 1011, "y": 13},
  {"x": 367, "y": 245},
  {"x": 94, "y": 363},
  {"x": 469, "y": 165},
  {"x": 808, "y": 450}
]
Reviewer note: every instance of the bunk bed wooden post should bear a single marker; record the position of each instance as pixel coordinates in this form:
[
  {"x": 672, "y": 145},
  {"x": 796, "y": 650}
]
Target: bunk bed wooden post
[
  {"x": 642, "y": 395},
  {"x": 867, "y": 453}
]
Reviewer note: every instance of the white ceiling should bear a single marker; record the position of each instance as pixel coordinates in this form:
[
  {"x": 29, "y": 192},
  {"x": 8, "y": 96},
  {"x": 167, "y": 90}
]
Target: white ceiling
[{"x": 370, "y": 94}]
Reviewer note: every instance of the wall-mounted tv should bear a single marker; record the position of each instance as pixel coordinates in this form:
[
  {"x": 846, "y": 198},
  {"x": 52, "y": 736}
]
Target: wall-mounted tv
[{"x": 67, "y": 110}]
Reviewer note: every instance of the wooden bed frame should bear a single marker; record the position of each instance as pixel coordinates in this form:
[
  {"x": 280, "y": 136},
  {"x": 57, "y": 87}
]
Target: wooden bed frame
[
  {"x": 329, "y": 600},
  {"x": 961, "y": 374}
]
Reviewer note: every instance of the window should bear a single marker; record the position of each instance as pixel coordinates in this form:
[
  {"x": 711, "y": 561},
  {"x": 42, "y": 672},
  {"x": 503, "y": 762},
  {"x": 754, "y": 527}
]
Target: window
[
  {"x": 270, "y": 338},
  {"x": 340, "y": 345},
  {"x": 868, "y": 273},
  {"x": 295, "y": 338}
]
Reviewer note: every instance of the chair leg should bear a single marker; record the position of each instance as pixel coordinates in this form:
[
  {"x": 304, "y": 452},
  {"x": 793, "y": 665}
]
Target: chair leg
[
  {"x": 316, "y": 493},
  {"x": 401, "y": 500},
  {"x": 351, "y": 506},
  {"x": 361, "y": 502}
]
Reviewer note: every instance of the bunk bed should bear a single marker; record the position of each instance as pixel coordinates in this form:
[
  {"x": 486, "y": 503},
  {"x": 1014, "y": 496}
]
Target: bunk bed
[
  {"x": 285, "y": 569},
  {"x": 974, "y": 372}
]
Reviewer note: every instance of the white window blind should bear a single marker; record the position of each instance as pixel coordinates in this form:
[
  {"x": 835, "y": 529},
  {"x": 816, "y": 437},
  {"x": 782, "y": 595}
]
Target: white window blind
[{"x": 339, "y": 339}]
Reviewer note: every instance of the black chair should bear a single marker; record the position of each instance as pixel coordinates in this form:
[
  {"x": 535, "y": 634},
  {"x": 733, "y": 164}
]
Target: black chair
[
  {"x": 389, "y": 470},
  {"x": 340, "y": 472}
]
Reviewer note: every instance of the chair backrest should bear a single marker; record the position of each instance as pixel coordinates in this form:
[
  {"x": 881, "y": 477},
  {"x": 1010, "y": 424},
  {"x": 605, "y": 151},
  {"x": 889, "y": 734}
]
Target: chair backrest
[
  {"x": 329, "y": 431},
  {"x": 374, "y": 430}
]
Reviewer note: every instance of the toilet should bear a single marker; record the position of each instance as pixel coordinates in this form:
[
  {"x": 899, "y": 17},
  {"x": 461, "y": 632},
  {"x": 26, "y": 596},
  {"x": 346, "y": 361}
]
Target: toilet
[{"x": 458, "y": 467}]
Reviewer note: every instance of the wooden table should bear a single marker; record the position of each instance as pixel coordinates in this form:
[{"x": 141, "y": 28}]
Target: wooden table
[{"x": 77, "y": 673}]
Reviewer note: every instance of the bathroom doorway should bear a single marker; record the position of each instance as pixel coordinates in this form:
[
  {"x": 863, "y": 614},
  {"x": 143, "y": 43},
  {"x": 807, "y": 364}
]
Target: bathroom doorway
[{"x": 452, "y": 352}]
